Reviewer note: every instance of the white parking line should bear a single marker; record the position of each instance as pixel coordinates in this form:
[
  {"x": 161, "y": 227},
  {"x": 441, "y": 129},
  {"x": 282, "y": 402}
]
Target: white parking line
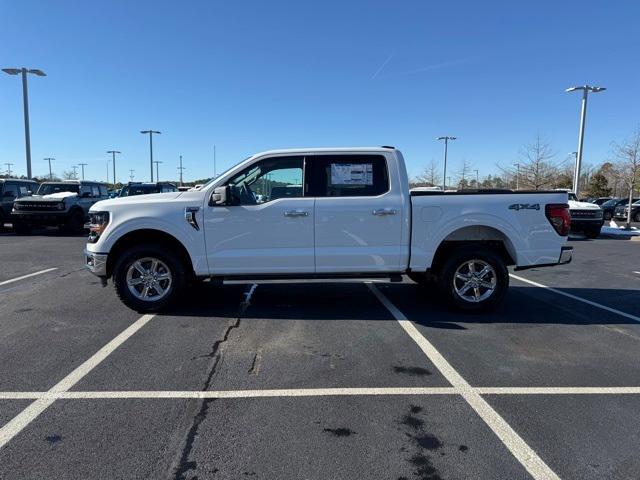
[
  {"x": 516, "y": 445},
  {"x": 20, "y": 421},
  {"x": 579, "y": 299},
  {"x": 558, "y": 390},
  {"x": 168, "y": 394},
  {"x": 314, "y": 392},
  {"x": 6, "y": 282}
]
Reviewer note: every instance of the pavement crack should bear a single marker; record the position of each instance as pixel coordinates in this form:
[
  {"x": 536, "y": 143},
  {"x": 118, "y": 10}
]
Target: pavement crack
[{"x": 182, "y": 465}]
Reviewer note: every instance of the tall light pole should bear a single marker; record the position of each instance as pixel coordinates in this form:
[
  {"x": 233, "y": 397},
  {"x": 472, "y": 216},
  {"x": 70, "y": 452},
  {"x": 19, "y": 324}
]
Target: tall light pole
[
  {"x": 446, "y": 145},
  {"x": 107, "y": 171},
  {"x": 75, "y": 171},
  {"x": 131, "y": 170},
  {"x": 50, "y": 159},
  {"x": 150, "y": 133},
  {"x": 477, "y": 179},
  {"x": 157, "y": 162},
  {"x": 113, "y": 153},
  {"x": 9, "y": 165},
  {"x": 181, "y": 168},
  {"x": 517, "y": 176},
  {"x": 82, "y": 165},
  {"x": 583, "y": 118},
  {"x": 25, "y": 102}
]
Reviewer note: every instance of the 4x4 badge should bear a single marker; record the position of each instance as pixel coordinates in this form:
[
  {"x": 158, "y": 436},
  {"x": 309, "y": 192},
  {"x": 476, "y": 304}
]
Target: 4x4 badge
[{"x": 524, "y": 206}]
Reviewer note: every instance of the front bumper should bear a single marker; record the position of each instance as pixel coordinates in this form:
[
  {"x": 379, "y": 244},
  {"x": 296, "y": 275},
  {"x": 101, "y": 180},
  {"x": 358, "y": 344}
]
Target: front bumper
[
  {"x": 566, "y": 255},
  {"x": 40, "y": 218},
  {"x": 579, "y": 224},
  {"x": 96, "y": 263}
]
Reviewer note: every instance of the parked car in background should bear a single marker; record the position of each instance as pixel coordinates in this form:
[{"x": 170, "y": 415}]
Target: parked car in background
[
  {"x": 62, "y": 204},
  {"x": 600, "y": 201},
  {"x": 144, "y": 188},
  {"x": 586, "y": 218},
  {"x": 620, "y": 212},
  {"x": 609, "y": 207},
  {"x": 10, "y": 190},
  {"x": 624, "y": 209}
]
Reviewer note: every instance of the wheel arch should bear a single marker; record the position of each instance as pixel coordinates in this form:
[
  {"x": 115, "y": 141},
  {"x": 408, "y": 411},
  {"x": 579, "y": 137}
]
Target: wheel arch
[
  {"x": 148, "y": 236},
  {"x": 475, "y": 235}
]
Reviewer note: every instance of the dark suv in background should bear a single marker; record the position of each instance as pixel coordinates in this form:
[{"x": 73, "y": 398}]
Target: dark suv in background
[
  {"x": 609, "y": 207},
  {"x": 10, "y": 190},
  {"x": 144, "y": 188}
]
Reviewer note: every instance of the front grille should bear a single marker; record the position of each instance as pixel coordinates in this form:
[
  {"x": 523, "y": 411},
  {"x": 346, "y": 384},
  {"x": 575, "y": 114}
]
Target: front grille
[
  {"x": 36, "y": 206},
  {"x": 586, "y": 213}
]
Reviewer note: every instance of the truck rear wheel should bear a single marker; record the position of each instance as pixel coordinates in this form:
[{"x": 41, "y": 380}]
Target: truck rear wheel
[
  {"x": 21, "y": 228},
  {"x": 75, "y": 223},
  {"x": 147, "y": 279},
  {"x": 592, "y": 232},
  {"x": 474, "y": 279}
]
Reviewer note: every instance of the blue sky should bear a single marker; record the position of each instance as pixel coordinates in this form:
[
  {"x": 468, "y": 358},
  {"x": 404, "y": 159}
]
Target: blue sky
[{"x": 250, "y": 76}]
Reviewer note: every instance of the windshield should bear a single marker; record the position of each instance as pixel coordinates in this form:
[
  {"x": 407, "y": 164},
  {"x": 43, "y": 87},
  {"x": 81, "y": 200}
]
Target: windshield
[
  {"x": 49, "y": 188},
  {"x": 131, "y": 190},
  {"x": 610, "y": 203}
]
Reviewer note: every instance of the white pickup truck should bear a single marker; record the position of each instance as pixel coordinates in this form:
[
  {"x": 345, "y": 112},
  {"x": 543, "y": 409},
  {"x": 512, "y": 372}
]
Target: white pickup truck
[{"x": 324, "y": 213}]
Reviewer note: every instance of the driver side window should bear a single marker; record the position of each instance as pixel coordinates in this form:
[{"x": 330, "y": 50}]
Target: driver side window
[{"x": 270, "y": 179}]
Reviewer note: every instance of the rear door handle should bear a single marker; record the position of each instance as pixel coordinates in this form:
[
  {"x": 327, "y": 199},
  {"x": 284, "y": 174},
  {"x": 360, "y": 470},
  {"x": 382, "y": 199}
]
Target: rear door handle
[
  {"x": 296, "y": 213},
  {"x": 385, "y": 211}
]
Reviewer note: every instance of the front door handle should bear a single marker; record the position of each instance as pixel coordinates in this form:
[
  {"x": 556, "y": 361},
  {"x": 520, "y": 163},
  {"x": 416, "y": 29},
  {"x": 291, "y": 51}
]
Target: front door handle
[
  {"x": 296, "y": 213},
  {"x": 385, "y": 211}
]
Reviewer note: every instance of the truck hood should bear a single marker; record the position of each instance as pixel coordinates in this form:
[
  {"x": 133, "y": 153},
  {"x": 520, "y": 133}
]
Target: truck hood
[
  {"x": 113, "y": 203},
  {"x": 52, "y": 197},
  {"x": 582, "y": 205}
]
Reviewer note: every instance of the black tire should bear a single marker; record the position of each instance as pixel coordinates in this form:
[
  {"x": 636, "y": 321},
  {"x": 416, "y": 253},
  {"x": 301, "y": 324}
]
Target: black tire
[
  {"x": 174, "y": 265},
  {"x": 592, "y": 232},
  {"x": 636, "y": 217},
  {"x": 75, "y": 222},
  {"x": 482, "y": 255},
  {"x": 608, "y": 215},
  {"x": 22, "y": 228}
]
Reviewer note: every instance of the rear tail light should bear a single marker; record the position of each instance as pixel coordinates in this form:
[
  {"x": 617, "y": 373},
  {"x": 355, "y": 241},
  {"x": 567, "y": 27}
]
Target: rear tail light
[{"x": 559, "y": 218}]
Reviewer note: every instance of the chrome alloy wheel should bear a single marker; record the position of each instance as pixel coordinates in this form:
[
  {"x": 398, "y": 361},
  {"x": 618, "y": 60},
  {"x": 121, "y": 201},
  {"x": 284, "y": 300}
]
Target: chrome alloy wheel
[
  {"x": 474, "y": 281},
  {"x": 149, "y": 279}
]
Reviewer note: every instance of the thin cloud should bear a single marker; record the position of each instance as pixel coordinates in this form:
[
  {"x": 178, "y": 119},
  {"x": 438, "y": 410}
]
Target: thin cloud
[
  {"x": 384, "y": 64},
  {"x": 435, "y": 66}
]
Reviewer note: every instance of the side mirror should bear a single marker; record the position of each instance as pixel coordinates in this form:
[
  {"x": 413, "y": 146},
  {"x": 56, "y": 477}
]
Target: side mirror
[
  {"x": 220, "y": 196},
  {"x": 29, "y": 192}
]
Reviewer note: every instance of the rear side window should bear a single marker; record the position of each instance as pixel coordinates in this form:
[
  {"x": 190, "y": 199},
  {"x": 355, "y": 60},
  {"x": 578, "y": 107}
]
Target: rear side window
[
  {"x": 10, "y": 191},
  {"x": 103, "y": 190},
  {"x": 350, "y": 175}
]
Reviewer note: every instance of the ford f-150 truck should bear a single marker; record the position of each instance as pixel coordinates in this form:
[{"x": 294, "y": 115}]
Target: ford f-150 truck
[{"x": 324, "y": 213}]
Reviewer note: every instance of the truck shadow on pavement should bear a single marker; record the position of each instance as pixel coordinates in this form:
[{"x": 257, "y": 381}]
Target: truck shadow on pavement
[{"x": 299, "y": 300}]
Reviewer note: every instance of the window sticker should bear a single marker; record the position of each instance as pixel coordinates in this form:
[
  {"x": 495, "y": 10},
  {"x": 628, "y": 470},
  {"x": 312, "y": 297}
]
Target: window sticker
[{"x": 351, "y": 174}]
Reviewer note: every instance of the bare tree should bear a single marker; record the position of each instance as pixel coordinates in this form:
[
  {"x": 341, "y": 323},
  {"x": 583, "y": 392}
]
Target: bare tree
[
  {"x": 537, "y": 170},
  {"x": 464, "y": 174},
  {"x": 430, "y": 177},
  {"x": 628, "y": 166},
  {"x": 69, "y": 175}
]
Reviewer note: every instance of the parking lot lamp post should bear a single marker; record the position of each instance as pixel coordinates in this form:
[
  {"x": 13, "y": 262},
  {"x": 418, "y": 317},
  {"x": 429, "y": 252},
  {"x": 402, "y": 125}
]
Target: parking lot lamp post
[
  {"x": 50, "y": 159},
  {"x": 107, "y": 171},
  {"x": 25, "y": 103},
  {"x": 517, "y": 176},
  {"x": 131, "y": 170},
  {"x": 150, "y": 133},
  {"x": 113, "y": 154},
  {"x": 157, "y": 162},
  {"x": 583, "y": 118},
  {"x": 181, "y": 168},
  {"x": 75, "y": 171},
  {"x": 9, "y": 165},
  {"x": 446, "y": 146},
  {"x": 82, "y": 165}
]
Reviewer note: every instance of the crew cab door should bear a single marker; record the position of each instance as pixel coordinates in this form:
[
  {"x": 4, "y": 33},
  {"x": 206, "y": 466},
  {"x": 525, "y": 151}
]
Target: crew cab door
[
  {"x": 268, "y": 228},
  {"x": 358, "y": 214}
]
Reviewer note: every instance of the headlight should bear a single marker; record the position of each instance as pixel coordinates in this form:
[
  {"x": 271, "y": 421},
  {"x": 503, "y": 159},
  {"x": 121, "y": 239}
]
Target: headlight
[{"x": 98, "y": 221}]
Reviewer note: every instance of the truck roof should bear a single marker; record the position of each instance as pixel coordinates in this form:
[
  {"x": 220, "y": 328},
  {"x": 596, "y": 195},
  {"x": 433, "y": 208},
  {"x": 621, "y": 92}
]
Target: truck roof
[{"x": 322, "y": 150}]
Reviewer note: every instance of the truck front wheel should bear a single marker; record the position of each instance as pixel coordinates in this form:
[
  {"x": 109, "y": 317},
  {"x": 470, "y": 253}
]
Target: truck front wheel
[
  {"x": 474, "y": 279},
  {"x": 147, "y": 279}
]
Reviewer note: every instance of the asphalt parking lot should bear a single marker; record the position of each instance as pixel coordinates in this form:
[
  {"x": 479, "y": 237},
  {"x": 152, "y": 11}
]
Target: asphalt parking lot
[{"x": 309, "y": 380}]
